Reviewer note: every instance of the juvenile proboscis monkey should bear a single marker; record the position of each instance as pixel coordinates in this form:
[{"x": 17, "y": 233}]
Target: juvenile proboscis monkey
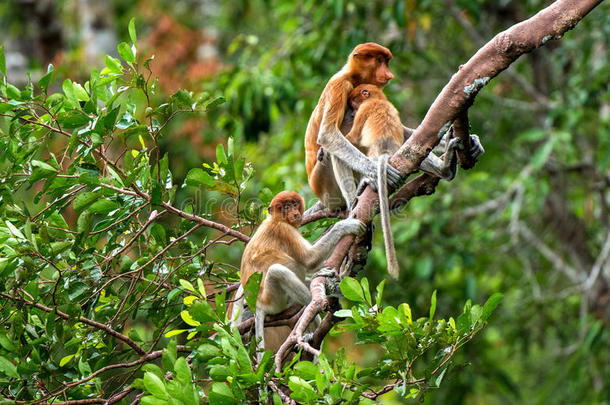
[
  {"x": 330, "y": 173},
  {"x": 278, "y": 250},
  {"x": 378, "y": 133}
]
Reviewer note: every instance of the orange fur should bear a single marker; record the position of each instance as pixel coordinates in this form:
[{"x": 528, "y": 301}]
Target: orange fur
[
  {"x": 377, "y": 127},
  {"x": 277, "y": 240},
  {"x": 368, "y": 63},
  {"x": 279, "y": 252}
]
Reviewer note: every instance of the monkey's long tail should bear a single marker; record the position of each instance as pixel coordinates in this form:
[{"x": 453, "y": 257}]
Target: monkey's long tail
[{"x": 384, "y": 210}]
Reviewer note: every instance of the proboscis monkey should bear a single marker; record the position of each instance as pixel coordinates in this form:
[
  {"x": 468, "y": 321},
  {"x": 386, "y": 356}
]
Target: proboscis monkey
[
  {"x": 330, "y": 172},
  {"x": 368, "y": 63},
  {"x": 378, "y": 133},
  {"x": 278, "y": 250}
]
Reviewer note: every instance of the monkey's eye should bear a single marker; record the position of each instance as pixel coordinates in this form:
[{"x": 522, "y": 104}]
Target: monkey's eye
[{"x": 379, "y": 60}]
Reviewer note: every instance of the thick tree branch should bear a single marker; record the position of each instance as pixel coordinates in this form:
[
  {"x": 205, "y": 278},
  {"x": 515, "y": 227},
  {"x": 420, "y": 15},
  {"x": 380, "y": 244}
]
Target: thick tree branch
[
  {"x": 449, "y": 107},
  {"x": 550, "y": 23}
]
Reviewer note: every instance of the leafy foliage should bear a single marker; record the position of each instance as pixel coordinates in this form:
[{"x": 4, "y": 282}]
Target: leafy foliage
[
  {"x": 544, "y": 124},
  {"x": 97, "y": 278}
]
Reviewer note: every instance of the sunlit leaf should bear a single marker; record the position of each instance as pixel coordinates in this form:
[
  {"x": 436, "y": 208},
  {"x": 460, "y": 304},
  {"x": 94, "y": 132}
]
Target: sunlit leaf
[
  {"x": 175, "y": 332},
  {"x": 132, "y": 31},
  {"x": 65, "y": 360},
  {"x": 154, "y": 385},
  {"x": 352, "y": 290}
]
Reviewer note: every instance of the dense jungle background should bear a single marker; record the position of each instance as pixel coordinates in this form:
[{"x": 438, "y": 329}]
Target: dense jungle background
[{"x": 530, "y": 221}]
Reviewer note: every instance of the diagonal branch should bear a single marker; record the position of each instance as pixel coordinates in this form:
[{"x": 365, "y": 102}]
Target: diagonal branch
[{"x": 450, "y": 105}]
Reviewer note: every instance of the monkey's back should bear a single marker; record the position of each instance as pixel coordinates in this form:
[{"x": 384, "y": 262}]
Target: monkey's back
[
  {"x": 382, "y": 132},
  {"x": 333, "y": 101}
]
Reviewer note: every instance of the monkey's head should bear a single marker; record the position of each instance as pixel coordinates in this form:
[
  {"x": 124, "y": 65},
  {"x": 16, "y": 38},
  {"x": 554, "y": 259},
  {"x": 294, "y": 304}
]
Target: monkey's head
[
  {"x": 288, "y": 206},
  {"x": 368, "y": 63},
  {"x": 362, "y": 93}
]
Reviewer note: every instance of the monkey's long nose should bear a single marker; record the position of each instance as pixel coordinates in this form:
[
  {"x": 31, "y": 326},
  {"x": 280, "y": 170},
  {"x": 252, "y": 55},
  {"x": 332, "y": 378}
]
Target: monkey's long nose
[{"x": 389, "y": 76}]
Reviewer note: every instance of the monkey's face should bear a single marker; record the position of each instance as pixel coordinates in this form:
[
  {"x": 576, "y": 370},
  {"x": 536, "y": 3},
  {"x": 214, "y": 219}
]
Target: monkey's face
[
  {"x": 371, "y": 63},
  {"x": 292, "y": 213},
  {"x": 358, "y": 96},
  {"x": 362, "y": 93},
  {"x": 288, "y": 207},
  {"x": 382, "y": 72}
]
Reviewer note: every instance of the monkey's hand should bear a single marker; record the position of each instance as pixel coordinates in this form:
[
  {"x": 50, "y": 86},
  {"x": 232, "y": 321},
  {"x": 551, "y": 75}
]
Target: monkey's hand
[
  {"x": 351, "y": 226},
  {"x": 476, "y": 148},
  {"x": 394, "y": 179}
]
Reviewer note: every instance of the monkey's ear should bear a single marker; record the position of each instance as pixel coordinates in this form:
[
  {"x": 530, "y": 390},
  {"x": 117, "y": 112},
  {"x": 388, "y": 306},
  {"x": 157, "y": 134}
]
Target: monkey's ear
[{"x": 365, "y": 92}]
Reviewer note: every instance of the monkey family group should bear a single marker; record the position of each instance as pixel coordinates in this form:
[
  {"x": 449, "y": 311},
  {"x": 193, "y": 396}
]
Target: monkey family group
[{"x": 351, "y": 134}]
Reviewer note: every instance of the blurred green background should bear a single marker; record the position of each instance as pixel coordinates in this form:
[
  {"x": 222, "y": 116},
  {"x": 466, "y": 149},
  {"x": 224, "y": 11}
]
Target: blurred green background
[{"x": 531, "y": 220}]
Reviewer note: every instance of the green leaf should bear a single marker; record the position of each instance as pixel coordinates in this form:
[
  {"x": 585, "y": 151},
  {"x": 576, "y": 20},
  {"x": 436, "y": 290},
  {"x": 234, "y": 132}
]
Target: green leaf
[
  {"x": 490, "y": 305},
  {"x": 365, "y": 289},
  {"x": 213, "y": 103},
  {"x": 221, "y": 157},
  {"x": 307, "y": 370},
  {"x": 183, "y": 98},
  {"x": 439, "y": 378},
  {"x": 8, "y": 368},
  {"x": 84, "y": 200},
  {"x": 301, "y": 390},
  {"x": 65, "y": 360},
  {"x": 68, "y": 90},
  {"x": 379, "y": 290},
  {"x": 175, "y": 332},
  {"x": 4, "y": 107},
  {"x": 13, "y": 92},
  {"x": 220, "y": 372},
  {"x": 6, "y": 343},
  {"x": 73, "y": 119},
  {"x": 13, "y": 229},
  {"x": 207, "y": 351},
  {"x": 343, "y": 313},
  {"x": 104, "y": 206},
  {"x": 132, "y": 31},
  {"x": 183, "y": 371},
  {"x": 433, "y": 305},
  {"x": 197, "y": 177},
  {"x": 126, "y": 121},
  {"x": 221, "y": 394},
  {"x": 202, "y": 311},
  {"x": 41, "y": 170},
  {"x": 169, "y": 357},
  {"x": 188, "y": 319},
  {"x": 43, "y": 83},
  {"x": 155, "y": 386},
  {"x": 187, "y": 285},
  {"x": 148, "y": 400},
  {"x": 110, "y": 118},
  {"x": 201, "y": 288},
  {"x": 113, "y": 65},
  {"x": 351, "y": 289},
  {"x": 252, "y": 289},
  {"x": 80, "y": 92},
  {"x": 126, "y": 52}
]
